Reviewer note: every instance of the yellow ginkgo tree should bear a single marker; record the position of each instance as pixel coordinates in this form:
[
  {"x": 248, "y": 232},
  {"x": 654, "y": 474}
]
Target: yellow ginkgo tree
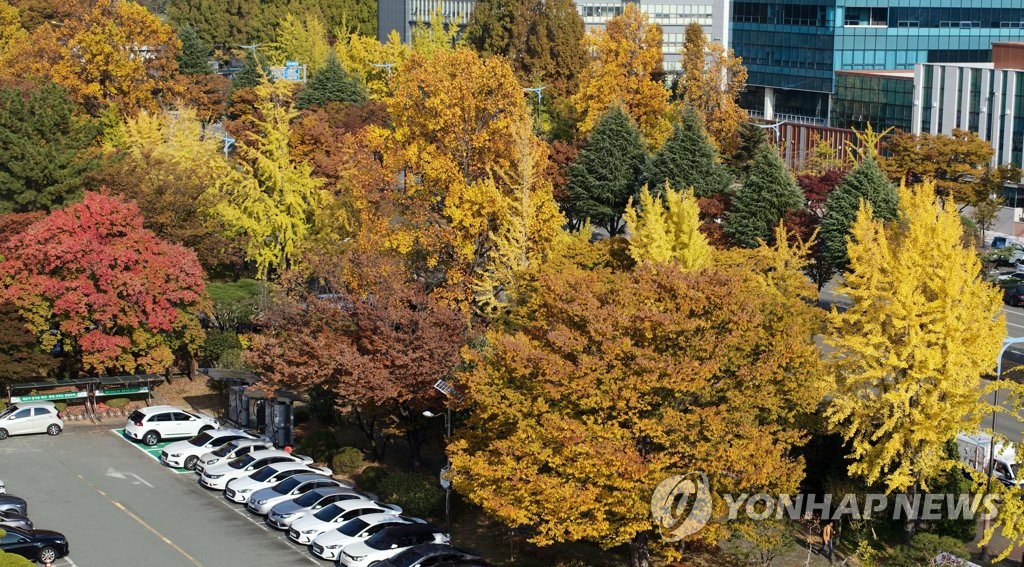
[
  {"x": 908, "y": 354},
  {"x": 667, "y": 230}
]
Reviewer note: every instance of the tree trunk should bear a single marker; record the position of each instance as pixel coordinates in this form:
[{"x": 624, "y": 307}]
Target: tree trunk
[
  {"x": 414, "y": 437},
  {"x": 910, "y": 524},
  {"x": 639, "y": 553}
]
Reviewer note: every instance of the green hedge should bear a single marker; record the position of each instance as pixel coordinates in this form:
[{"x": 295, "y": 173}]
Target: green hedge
[
  {"x": 418, "y": 495},
  {"x": 347, "y": 460},
  {"x": 12, "y": 560},
  {"x": 371, "y": 477},
  {"x": 117, "y": 402},
  {"x": 321, "y": 445}
]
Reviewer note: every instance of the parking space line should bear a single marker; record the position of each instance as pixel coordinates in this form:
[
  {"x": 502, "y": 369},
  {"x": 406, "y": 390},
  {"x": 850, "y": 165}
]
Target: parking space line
[{"x": 153, "y": 451}]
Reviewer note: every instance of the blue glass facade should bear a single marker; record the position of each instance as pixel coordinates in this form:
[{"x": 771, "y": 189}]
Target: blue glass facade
[{"x": 797, "y": 45}]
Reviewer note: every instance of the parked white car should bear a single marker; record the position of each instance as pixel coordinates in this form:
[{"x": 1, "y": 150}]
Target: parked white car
[
  {"x": 230, "y": 451},
  {"x": 294, "y": 486},
  {"x": 218, "y": 476},
  {"x": 305, "y": 530},
  {"x": 30, "y": 417},
  {"x": 284, "y": 513},
  {"x": 240, "y": 489},
  {"x": 388, "y": 543},
  {"x": 185, "y": 454},
  {"x": 153, "y": 424},
  {"x": 328, "y": 545}
]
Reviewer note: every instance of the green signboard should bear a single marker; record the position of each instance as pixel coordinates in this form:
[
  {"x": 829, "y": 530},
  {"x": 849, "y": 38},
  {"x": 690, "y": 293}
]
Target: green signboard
[
  {"x": 119, "y": 391},
  {"x": 54, "y": 396}
]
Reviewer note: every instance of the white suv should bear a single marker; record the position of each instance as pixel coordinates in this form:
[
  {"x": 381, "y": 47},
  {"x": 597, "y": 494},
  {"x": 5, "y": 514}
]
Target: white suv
[
  {"x": 185, "y": 454},
  {"x": 152, "y": 424},
  {"x": 30, "y": 417}
]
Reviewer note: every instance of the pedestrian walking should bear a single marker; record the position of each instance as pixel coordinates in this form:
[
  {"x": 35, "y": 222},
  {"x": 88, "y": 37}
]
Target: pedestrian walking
[{"x": 826, "y": 541}]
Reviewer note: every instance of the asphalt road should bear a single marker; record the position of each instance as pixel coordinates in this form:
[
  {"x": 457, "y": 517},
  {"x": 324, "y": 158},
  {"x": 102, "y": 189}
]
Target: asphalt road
[{"x": 121, "y": 508}]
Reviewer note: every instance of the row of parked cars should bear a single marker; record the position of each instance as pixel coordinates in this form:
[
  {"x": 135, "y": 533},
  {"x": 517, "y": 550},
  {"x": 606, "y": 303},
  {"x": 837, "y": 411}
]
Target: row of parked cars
[
  {"x": 20, "y": 536},
  {"x": 332, "y": 518}
]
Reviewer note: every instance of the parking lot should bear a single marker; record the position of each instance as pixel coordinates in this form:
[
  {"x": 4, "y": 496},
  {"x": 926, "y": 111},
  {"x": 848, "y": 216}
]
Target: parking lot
[{"x": 119, "y": 507}]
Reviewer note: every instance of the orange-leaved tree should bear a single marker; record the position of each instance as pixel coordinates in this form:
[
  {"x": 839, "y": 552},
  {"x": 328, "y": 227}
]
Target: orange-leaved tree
[{"x": 587, "y": 401}]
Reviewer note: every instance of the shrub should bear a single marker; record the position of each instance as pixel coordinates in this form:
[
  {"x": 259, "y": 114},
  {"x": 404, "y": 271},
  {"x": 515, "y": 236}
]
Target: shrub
[
  {"x": 300, "y": 415},
  {"x": 117, "y": 402},
  {"x": 418, "y": 495},
  {"x": 61, "y": 406},
  {"x": 222, "y": 349},
  {"x": 321, "y": 445},
  {"x": 321, "y": 404},
  {"x": 371, "y": 478},
  {"x": 347, "y": 460},
  {"x": 12, "y": 560},
  {"x": 924, "y": 549}
]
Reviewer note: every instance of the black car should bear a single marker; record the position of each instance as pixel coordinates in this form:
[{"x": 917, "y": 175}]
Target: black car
[
  {"x": 11, "y": 519},
  {"x": 43, "y": 546},
  {"x": 432, "y": 554},
  {"x": 10, "y": 503},
  {"x": 1014, "y": 295}
]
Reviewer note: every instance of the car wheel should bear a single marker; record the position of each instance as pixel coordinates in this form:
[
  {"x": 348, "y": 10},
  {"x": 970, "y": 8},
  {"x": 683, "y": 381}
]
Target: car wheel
[
  {"x": 190, "y": 462},
  {"x": 151, "y": 438},
  {"x": 3, "y": 433},
  {"x": 53, "y": 429},
  {"x": 47, "y": 555}
]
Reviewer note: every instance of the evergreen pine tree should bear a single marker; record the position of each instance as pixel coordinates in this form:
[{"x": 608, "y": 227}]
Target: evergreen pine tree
[
  {"x": 867, "y": 182},
  {"x": 43, "y": 145},
  {"x": 751, "y": 137},
  {"x": 331, "y": 84},
  {"x": 688, "y": 159},
  {"x": 253, "y": 73},
  {"x": 767, "y": 194},
  {"x": 608, "y": 171},
  {"x": 194, "y": 57}
]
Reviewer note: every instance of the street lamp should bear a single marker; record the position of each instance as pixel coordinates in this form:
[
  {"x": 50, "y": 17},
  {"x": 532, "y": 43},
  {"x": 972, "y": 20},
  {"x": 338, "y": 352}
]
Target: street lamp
[
  {"x": 446, "y": 473},
  {"x": 1007, "y": 343}
]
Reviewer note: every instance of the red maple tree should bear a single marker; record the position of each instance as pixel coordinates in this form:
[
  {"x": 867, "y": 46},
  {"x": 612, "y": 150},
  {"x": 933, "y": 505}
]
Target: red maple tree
[{"x": 111, "y": 294}]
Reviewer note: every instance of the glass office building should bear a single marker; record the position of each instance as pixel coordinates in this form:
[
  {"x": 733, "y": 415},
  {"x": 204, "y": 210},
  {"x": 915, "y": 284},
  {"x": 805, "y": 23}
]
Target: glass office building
[
  {"x": 793, "y": 48},
  {"x": 879, "y": 98}
]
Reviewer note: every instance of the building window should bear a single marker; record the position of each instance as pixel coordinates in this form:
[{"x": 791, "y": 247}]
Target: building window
[{"x": 866, "y": 17}]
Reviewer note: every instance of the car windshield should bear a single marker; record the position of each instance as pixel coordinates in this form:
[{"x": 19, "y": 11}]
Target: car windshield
[
  {"x": 328, "y": 513},
  {"x": 263, "y": 474},
  {"x": 137, "y": 417},
  {"x": 202, "y": 439},
  {"x": 309, "y": 498},
  {"x": 382, "y": 539},
  {"x": 242, "y": 462},
  {"x": 288, "y": 485},
  {"x": 10, "y": 409},
  {"x": 225, "y": 449},
  {"x": 353, "y": 527}
]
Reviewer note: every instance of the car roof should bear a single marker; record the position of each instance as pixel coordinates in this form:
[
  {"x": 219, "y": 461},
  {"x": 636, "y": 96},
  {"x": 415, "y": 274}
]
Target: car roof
[
  {"x": 427, "y": 548},
  {"x": 34, "y": 404},
  {"x": 303, "y": 477},
  {"x": 159, "y": 409},
  {"x": 357, "y": 503},
  {"x": 403, "y": 529},
  {"x": 384, "y": 517}
]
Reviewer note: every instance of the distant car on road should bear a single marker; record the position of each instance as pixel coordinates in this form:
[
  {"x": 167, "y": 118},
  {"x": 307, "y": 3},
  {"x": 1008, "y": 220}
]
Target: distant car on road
[
  {"x": 44, "y": 546},
  {"x": 10, "y": 503},
  {"x": 153, "y": 424},
  {"x": 185, "y": 454},
  {"x": 285, "y": 513},
  {"x": 30, "y": 417}
]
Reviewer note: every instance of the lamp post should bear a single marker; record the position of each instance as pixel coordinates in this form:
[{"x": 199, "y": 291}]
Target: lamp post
[
  {"x": 446, "y": 473},
  {"x": 1007, "y": 343}
]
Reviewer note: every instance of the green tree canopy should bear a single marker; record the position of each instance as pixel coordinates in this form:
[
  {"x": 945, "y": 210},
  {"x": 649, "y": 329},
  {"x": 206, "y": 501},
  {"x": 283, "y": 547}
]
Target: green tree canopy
[
  {"x": 331, "y": 84},
  {"x": 194, "y": 57},
  {"x": 768, "y": 193},
  {"x": 254, "y": 72},
  {"x": 608, "y": 171},
  {"x": 866, "y": 182},
  {"x": 688, "y": 159},
  {"x": 43, "y": 149}
]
